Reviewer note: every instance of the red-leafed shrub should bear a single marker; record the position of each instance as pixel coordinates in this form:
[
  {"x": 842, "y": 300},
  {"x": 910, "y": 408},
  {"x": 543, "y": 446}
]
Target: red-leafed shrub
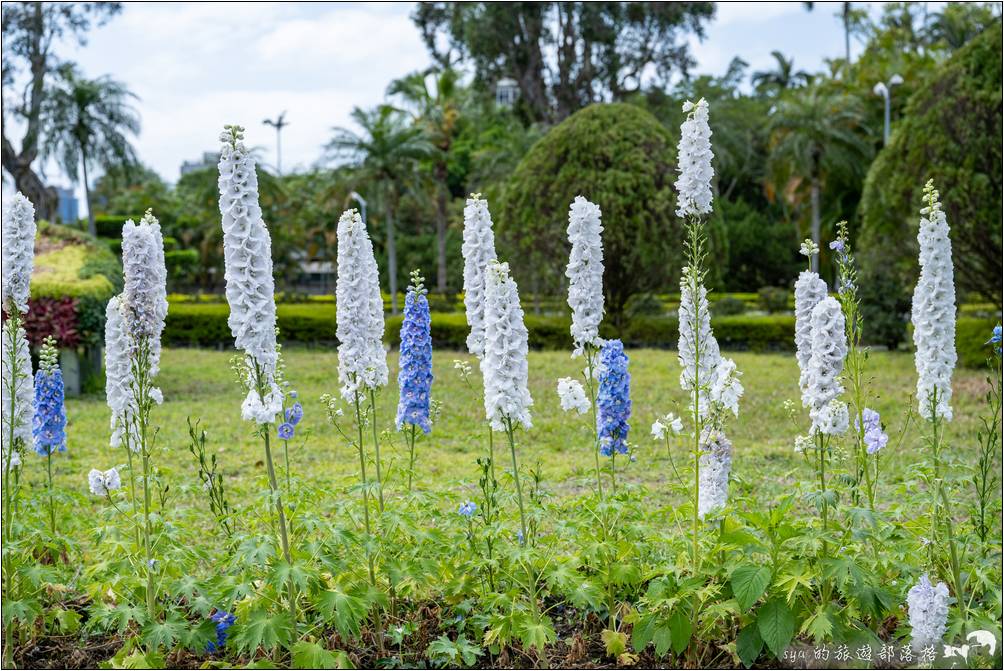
[{"x": 52, "y": 316}]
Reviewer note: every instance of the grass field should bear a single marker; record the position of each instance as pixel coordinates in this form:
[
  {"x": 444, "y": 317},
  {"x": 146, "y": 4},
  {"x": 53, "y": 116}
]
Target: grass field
[{"x": 199, "y": 384}]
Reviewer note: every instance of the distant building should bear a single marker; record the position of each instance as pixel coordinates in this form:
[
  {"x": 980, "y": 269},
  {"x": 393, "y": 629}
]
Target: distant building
[
  {"x": 68, "y": 209},
  {"x": 209, "y": 160},
  {"x": 506, "y": 92}
]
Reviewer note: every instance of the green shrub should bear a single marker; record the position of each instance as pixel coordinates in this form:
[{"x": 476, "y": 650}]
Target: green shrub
[
  {"x": 950, "y": 132},
  {"x": 182, "y": 265},
  {"x": 643, "y": 305},
  {"x": 773, "y": 299},
  {"x": 971, "y": 336},
  {"x": 109, "y": 225},
  {"x": 729, "y": 305},
  {"x": 619, "y": 157}
]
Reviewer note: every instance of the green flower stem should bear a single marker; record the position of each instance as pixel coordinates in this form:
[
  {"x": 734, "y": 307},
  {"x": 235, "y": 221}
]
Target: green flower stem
[
  {"x": 590, "y": 352},
  {"x": 52, "y": 505},
  {"x": 376, "y": 449},
  {"x": 13, "y": 324},
  {"x": 132, "y": 485},
  {"x": 411, "y": 455},
  {"x": 366, "y": 518},
  {"x": 515, "y": 474}
]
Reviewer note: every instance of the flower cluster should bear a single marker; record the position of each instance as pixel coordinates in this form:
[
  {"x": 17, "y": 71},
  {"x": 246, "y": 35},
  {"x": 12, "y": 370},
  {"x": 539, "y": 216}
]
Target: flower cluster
[
  {"x": 119, "y": 377},
  {"x": 250, "y": 289},
  {"x": 725, "y": 389},
  {"x": 18, "y": 253},
  {"x": 362, "y": 361},
  {"x": 829, "y": 347},
  {"x": 467, "y": 509},
  {"x": 504, "y": 365},
  {"x": 715, "y": 466},
  {"x": 572, "y": 395},
  {"x": 145, "y": 295},
  {"x": 415, "y": 376},
  {"x": 927, "y": 606},
  {"x": 478, "y": 250},
  {"x": 698, "y": 350},
  {"x": 49, "y": 424},
  {"x": 934, "y": 310},
  {"x": 808, "y": 248},
  {"x": 809, "y": 290},
  {"x": 694, "y": 161},
  {"x": 102, "y": 482},
  {"x": 670, "y": 423},
  {"x": 17, "y": 375},
  {"x": 224, "y": 621},
  {"x": 995, "y": 339},
  {"x": 585, "y": 272},
  {"x": 832, "y": 419},
  {"x": 613, "y": 401},
  {"x": 875, "y": 437}
]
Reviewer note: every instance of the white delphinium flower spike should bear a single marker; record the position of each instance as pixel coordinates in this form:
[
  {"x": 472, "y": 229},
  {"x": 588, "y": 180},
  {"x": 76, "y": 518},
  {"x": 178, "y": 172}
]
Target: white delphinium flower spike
[
  {"x": 102, "y": 482},
  {"x": 725, "y": 389},
  {"x": 145, "y": 295},
  {"x": 572, "y": 396},
  {"x": 694, "y": 155},
  {"x": 478, "y": 251},
  {"x": 118, "y": 375},
  {"x": 18, "y": 253},
  {"x": 362, "y": 360},
  {"x": 670, "y": 423},
  {"x": 809, "y": 290},
  {"x": 698, "y": 350},
  {"x": 504, "y": 364},
  {"x": 829, "y": 347},
  {"x": 585, "y": 272},
  {"x": 934, "y": 310},
  {"x": 247, "y": 255},
  {"x": 927, "y": 606},
  {"x": 24, "y": 391},
  {"x": 716, "y": 464}
]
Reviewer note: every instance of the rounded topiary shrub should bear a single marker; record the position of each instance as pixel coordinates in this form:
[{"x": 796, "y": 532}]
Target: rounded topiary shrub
[
  {"x": 619, "y": 157},
  {"x": 950, "y": 132}
]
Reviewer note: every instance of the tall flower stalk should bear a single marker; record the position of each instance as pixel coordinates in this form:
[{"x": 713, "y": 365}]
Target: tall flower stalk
[
  {"x": 933, "y": 318},
  {"x": 415, "y": 376},
  {"x": 250, "y": 290},
  {"x": 49, "y": 422},
  {"x": 585, "y": 298},
  {"x": 145, "y": 308},
  {"x": 119, "y": 393},
  {"x": 614, "y": 403},
  {"x": 504, "y": 367},
  {"x": 698, "y": 349},
  {"x": 17, "y": 387},
  {"x": 362, "y": 362},
  {"x": 478, "y": 250}
]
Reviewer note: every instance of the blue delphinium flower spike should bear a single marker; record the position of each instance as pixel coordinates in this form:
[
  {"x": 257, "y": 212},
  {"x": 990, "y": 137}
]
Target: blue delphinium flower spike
[
  {"x": 285, "y": 431},
  {"x": 614, "y": 400},
  {"x": 415, "y": 377},
  {"x": 49, "y": 422},
  {"x": 224, "y": 621},
  {"x": 294, "y": 413}
]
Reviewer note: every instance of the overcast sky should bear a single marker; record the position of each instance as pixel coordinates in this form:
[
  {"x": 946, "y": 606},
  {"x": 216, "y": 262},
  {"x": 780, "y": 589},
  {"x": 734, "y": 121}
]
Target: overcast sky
[{"x": 198, "y": 66}]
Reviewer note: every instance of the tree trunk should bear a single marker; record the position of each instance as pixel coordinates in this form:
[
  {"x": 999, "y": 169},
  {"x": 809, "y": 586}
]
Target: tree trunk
[
  {"x": 92, "y": 228},
  {"x": 847, "y": 36},
  {"x": 814, "y": 199},
  {"x": 441, "y": 228},
  {"x": 391, "y": 255}
]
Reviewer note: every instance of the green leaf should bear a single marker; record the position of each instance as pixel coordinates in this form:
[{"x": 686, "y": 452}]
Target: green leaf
[
  {"x": 537, "y": 633},
  {"x": 642, "y": 632},
  {"x": 749, "y": 643},
  {"x": 776, "y": 624},
  {"x": 749, "y": 583},
  {"x": 307, "y": 655},
  {"x": 262, "y": 629},
  {"x": 67, "y": 620},
  {"x": 680, "y": 629},
  {"x": 347, "y": 611},
  {"x": 196, "y": 638},
  {"x": 663, "y": 638},
  {"x": 615, "y": 642},
  {"x": 819, "y": 625},
  {"x": 164, "y": 634}
]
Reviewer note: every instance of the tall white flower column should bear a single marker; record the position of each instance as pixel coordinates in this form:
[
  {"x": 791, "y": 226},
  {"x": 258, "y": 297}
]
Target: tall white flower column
[
  {"x": 17, "y": 386},
  {"x": 933, "y": 320},
  {"x": 247, "y": 255},
  {"x": 478, "y": 250},
  {"x": 810, "y": 289},
  {"x": 504, "y": 365},
  {"x": 144, "y": 305}
]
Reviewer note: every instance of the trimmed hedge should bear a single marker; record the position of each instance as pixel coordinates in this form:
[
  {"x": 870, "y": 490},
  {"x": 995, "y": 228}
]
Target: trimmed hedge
[{"x": 205, "y": 325}]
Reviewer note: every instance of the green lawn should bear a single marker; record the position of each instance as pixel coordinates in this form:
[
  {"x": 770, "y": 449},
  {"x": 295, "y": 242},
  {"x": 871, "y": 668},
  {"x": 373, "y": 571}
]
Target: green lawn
[{"x": 199, "y": 384}]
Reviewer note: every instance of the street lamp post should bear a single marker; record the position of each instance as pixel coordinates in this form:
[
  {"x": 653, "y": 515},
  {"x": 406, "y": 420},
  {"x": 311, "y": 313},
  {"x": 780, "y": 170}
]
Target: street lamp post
[
  {"x": 884, "y": 89},
  {"x": 279, "y": 123}
]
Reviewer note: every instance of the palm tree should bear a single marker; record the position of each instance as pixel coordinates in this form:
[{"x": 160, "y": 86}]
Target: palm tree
[
  {"x": 86, "y": 122},
  {"x": 782, "y": 77},
  {"x": 816, "y": 135},
  {"x": 384, "y": 153},
  {"x": 438, "y": 112}
]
